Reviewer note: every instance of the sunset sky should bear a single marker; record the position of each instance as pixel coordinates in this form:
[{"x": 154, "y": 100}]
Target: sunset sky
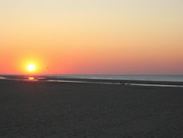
[{"x": 91, "y": 36}]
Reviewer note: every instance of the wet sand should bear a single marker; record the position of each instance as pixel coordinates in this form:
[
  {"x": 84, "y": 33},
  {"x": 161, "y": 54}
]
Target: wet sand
[{"x": 50, "y": 109}]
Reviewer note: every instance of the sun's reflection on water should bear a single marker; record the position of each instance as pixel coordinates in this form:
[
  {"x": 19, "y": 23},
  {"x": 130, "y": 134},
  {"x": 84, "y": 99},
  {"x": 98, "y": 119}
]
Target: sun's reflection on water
[{"x": 31, "y": 78}]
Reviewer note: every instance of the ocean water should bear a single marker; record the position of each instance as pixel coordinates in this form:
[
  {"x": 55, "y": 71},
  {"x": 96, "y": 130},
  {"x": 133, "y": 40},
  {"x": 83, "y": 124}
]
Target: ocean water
[{"x": 174, "y": 78}]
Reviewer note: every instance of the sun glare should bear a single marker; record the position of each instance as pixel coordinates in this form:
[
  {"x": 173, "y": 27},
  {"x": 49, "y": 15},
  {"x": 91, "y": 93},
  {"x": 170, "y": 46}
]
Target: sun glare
[{"x": 31, "y": 67}]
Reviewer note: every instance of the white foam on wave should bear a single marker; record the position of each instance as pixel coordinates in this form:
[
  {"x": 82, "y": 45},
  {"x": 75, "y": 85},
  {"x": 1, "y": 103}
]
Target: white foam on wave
[
  {"x": 71, "y": 81},
  {"x": 168, "y": 78},
  {"x": 2, "y": 78},
  {"x": 126, "y": 84},
  {"x": 157, "y": 85}
]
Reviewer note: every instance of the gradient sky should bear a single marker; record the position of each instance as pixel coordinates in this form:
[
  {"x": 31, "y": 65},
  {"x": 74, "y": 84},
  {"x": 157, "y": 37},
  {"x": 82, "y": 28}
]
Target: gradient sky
[{"x": 92, "y": 36}]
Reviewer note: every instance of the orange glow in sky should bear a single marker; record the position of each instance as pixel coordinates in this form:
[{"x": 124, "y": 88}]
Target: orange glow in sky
[{"x": 91, "y": 37}]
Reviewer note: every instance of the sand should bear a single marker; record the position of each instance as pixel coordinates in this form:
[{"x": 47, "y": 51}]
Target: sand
[{"x": 49, "y": 109}]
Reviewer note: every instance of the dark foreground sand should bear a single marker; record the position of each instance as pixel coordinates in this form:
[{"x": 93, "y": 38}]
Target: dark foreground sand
[{"x": 45, "y": 109}]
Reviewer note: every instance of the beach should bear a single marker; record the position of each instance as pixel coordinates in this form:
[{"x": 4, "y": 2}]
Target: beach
[{"x": 89, "y": 110}]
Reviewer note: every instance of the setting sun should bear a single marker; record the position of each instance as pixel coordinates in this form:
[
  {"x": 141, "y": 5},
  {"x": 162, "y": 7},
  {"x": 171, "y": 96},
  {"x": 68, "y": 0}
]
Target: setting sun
[{"x": 31, "y": 67}]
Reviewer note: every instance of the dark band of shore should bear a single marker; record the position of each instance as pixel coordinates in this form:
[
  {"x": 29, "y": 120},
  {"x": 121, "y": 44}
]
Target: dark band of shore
[{"x": 51, "y": 109}]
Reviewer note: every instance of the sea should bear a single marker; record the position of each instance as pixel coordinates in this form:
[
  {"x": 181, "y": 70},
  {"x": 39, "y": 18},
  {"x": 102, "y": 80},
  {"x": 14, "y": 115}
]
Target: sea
[
  {"x": 61, "y": 78},
  {"x": 172, "y": 78}
]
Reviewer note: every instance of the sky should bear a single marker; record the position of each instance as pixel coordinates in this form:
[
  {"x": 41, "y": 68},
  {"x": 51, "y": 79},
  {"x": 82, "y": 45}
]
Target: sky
[{"x": 92, "y": 36}]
